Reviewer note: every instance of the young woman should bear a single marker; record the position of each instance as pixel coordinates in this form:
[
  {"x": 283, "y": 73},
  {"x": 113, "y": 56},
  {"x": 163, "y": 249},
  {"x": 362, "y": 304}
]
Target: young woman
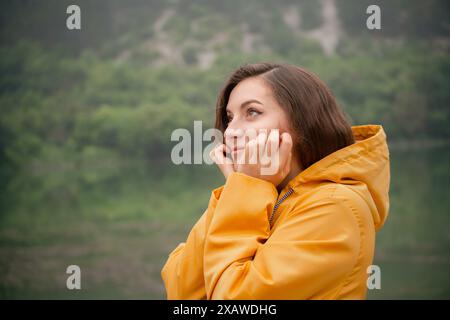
[{"x": 307, "y": 229}]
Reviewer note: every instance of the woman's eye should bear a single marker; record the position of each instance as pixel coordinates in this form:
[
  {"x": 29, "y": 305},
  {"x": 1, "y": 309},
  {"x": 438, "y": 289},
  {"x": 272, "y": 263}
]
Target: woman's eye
[{"x": 253, "y": 112}]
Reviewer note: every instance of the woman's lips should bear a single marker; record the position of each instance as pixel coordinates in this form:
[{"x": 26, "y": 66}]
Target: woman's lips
[{"x": 235, "y": 149}]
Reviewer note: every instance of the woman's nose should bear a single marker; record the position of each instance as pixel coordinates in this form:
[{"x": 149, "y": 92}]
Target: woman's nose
[
  {"x": 234, "y": 138},
  {"x": 232, "y": 132}
]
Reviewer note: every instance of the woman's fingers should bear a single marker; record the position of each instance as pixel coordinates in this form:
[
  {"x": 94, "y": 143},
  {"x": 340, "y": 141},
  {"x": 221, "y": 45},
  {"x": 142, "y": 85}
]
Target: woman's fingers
[
  {"x": 261, "y": 140},
  {"x": 252, "y": 152},
  {"x": 249, "y": 154},
  {"x": 285, "y": 150},
  {"x": 267, "y": 156},
  {"x": 224, "y": 163},
  {"x": 220, "y": 154},
  {"x": 273, "y": 143},
  {"x": 267, "y": 149}
]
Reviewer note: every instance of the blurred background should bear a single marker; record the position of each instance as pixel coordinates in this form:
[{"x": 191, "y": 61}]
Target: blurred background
[{"x": 86, "y": 117}]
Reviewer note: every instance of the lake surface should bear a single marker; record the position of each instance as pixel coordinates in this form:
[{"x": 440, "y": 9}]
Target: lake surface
[{"x": 119, "y": 222}]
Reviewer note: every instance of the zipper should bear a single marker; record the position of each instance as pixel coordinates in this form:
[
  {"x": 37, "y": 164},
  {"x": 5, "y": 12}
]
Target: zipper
[{"x": 287, "y": 194}]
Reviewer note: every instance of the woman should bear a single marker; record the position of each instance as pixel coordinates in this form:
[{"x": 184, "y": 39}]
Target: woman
[{"x": 307, "y": 229}]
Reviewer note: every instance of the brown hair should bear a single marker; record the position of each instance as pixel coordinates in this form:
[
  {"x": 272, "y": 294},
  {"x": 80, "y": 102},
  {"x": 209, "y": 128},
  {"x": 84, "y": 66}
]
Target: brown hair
[{"x": 318, "y": 124}]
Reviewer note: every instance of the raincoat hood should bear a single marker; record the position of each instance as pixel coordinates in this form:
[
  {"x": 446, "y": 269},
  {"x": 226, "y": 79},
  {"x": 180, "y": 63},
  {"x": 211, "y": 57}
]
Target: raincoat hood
[{"x": 364, "y": 162}]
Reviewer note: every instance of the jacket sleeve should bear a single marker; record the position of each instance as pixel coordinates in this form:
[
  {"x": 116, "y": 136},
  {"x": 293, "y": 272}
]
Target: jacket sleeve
[
  {"x": 314, "y": 249},
  {"x": 182, "y": 273}
]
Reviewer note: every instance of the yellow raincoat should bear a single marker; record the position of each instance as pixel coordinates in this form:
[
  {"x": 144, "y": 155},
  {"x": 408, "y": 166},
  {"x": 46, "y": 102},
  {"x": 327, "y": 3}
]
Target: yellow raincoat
[{"x": 318, "y": 246}]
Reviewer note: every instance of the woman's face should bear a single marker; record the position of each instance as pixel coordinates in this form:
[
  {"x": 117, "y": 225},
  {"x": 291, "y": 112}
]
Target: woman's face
[{"x": 251, "y": 105}]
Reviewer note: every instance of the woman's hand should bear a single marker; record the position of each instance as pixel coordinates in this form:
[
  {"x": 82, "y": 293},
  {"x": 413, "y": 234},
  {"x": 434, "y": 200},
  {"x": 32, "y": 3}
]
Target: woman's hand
[
  {"x": 266, "y": 157},
  {"x": 225, "y": 164}
]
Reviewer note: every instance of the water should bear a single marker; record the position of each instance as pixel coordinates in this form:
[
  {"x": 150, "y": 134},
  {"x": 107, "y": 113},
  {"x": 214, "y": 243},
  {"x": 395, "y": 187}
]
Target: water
[{"x": 119, "y": 222}]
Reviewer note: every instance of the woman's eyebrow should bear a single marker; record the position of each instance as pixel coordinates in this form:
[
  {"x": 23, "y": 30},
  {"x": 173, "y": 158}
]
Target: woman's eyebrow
[
  {"x": 243, "y": 104},
  {"x": 249, "y": 101}
]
